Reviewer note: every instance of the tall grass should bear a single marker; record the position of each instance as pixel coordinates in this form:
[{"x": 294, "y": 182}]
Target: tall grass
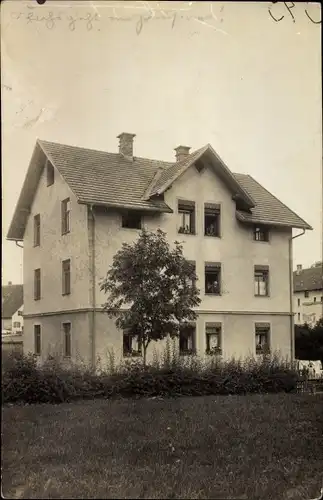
[{"x": 169, "y": 375}]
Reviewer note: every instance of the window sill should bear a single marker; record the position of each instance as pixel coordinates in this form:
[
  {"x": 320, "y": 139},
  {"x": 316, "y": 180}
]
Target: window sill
[
  {"x": 214, "y": 353},
  {"x": 187, "y": 234},
  {"x": 37, "y": 298},
  {"x": 213, "y": 235},
  {"x": 66, "y": 293},
  {"x": 36, "y": 245},
  {"x": 187, "y": 353},
  {"x": 132, "y": 228},
  {"x": 213, "y": 294},
  {"x": 132, "y": 355},
  {"x": 263, "y": 296},
  {"x": 65, "y": 232},
  {"x": 261, "y": 241}
]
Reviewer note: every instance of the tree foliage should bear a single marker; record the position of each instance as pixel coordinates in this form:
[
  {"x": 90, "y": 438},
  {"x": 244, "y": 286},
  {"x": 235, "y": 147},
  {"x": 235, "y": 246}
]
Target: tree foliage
[
  {"x": 309, "y": 341},
  {"x": 151, "y": 288}
]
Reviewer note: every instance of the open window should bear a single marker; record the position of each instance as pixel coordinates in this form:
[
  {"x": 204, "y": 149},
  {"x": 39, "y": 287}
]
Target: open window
[
  {"x": 131, "y": 344},
  {"x": 131, "y": 220},
  {"x": 187, "y": 339},
  {"x": 186, "y": 217},
  {"x": 262, "y": 332},
  {"x": 213, "y": 278},
  {"x": 261, "y": 281},
  {"x": 213, "y": 338},
  {"x": 212, "y": 214}
]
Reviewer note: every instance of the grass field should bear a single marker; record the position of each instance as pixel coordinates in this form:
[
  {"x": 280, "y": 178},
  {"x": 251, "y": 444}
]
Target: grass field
[{"x": 260, "y": 446}]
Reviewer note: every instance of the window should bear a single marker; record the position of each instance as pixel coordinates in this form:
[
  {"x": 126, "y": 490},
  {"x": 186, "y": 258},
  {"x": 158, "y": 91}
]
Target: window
[
  {"x": 261, "y": 279},
  {"x": 131, "y": 220},
  {"x": 298, "y": 302},
  {"x": 131, "y": 344},
  {"x": 211, "y": 219},
  {"x": 50, "y": 174},
  {"x": 187, "y": 339},
  {"x": 260, "y": 234},
  {"x": 262, "y": 338},
  {"x": 16, "y": 324},
  {"x": 306, "y": 294},
  {"x": 213, "y": 338},
  {"x": 186, "y": 217},
  {"x": 322, "y": 298},
  {"x": 37, "y": 339},
  {"x": 298, "y": 316},
  {"x": 67, "y": 340},
  {"x": 66, "y": 277},
  {"x": 37, "y": 284},
  {"x": 213, "y": 278},
  {"x": 37, "y": 230},
  {"x": 20, "y": 313},
  {"x": 314, "y": 299},
  {"x": 66, "y": 210}
]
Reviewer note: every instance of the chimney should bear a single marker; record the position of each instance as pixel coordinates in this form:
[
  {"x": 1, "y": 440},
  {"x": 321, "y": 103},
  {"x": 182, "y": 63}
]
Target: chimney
[
  {"x": 126, "y": 144},
  {"x": 182, "y": 152},
  {"x": 298, "y": 269}
]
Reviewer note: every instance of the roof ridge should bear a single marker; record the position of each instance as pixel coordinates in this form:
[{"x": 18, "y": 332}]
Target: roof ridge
[
  {"x": 168, "y": 163},
  {"x": 248, "y": 175}
]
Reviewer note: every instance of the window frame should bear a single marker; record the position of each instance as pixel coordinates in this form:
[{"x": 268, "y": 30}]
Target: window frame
[
  {"x": 185, "y": 328},
  {"x": 66, "y": 290},
  {"x": 264, "y": 272},
  {"x": 37, "y": 339},
  {"x": 298, "y": 302},
  {"x": 65, "y": 337},
  {"x": 16, "y": 324},
  {"x": 37, "y": 230},
  {"x": 66, "y": 216},
  {"x": 265, "y": 330},
  {"x": 214, "y": 210},
  {"x": 37, "y": 283},
  {"x": 131, "y": 213},
  {"x": 215, "y": 351},
  {"x": 306, "y": 294},
  {"x": 216, "y": 269},
  {"x": 186, "y": 207},
  {"x": 259, "y": 230},
  {"x": 130, "y": 352}
]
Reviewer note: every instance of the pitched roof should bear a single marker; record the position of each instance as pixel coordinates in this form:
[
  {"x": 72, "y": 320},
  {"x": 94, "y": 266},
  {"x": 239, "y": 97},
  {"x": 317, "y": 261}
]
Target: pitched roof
[
  {"x": 12, "y": 300},
  {"x": 268, "y": 209},
  {"x": 113, "y": 180},
  {"x": 308, "y": 279}
]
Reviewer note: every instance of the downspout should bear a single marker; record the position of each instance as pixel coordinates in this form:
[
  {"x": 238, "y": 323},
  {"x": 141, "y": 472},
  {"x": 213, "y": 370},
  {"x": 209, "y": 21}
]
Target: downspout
[
  {"x": 93, "y": 294},
  {"x": 17, "y": 244},
  {"x": 291, "y": 291}
]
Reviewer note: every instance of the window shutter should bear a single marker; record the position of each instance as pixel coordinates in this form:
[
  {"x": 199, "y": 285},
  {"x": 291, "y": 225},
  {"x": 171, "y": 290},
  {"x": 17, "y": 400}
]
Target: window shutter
[
  {"x": 212, "y": 208},
  {"x": 209, "y": 266},
  {"x": 186, "y": 205},
  {"x": 262, "y": 325},
  {"x": 261, "y": 268}
]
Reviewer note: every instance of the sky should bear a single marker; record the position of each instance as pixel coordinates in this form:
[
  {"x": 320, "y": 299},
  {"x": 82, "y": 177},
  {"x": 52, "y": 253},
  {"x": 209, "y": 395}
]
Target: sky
[{"x": 242, "y": 76}]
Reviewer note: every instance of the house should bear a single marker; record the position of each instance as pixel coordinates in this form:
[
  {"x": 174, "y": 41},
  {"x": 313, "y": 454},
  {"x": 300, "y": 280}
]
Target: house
[
  {"x": 76, "y": 208},
  {"x": 12, "y": 309},
  {"x": 308, "y": 294},
  {"x": 12, "y": 323}
]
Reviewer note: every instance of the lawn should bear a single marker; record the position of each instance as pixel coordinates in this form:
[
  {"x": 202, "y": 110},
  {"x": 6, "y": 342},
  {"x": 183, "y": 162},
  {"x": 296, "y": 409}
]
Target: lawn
[{"x": 252, "y": 447}]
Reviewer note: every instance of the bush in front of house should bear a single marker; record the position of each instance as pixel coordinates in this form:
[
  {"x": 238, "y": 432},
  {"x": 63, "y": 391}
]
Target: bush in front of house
[{"x": 24, "y": 382}]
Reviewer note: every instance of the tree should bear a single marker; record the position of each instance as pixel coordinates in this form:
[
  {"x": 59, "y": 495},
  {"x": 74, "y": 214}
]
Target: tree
[
  {"x": 309, "y": 341},
  {"x": 151, "y": 289}
]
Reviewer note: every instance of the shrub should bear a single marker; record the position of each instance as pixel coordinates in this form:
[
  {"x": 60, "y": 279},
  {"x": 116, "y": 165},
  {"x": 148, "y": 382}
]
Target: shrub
[{"x": 174, "y": 376}]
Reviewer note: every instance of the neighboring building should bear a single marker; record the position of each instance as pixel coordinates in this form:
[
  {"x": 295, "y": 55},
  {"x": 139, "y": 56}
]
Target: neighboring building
[
  {"x": 12, "y": 309},
  {"x": 12, "y": 323},
  {"x": 308, "y": 294},
  {"x": 76, "y": 208}
]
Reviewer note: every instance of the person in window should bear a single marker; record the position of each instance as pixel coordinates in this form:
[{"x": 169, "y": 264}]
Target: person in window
[{"x": 210, "y": 230}]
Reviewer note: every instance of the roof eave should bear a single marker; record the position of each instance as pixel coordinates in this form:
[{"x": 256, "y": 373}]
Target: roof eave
[
  {"x": 302, "y": 225},
  {"x": 152, "y": 208}
]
